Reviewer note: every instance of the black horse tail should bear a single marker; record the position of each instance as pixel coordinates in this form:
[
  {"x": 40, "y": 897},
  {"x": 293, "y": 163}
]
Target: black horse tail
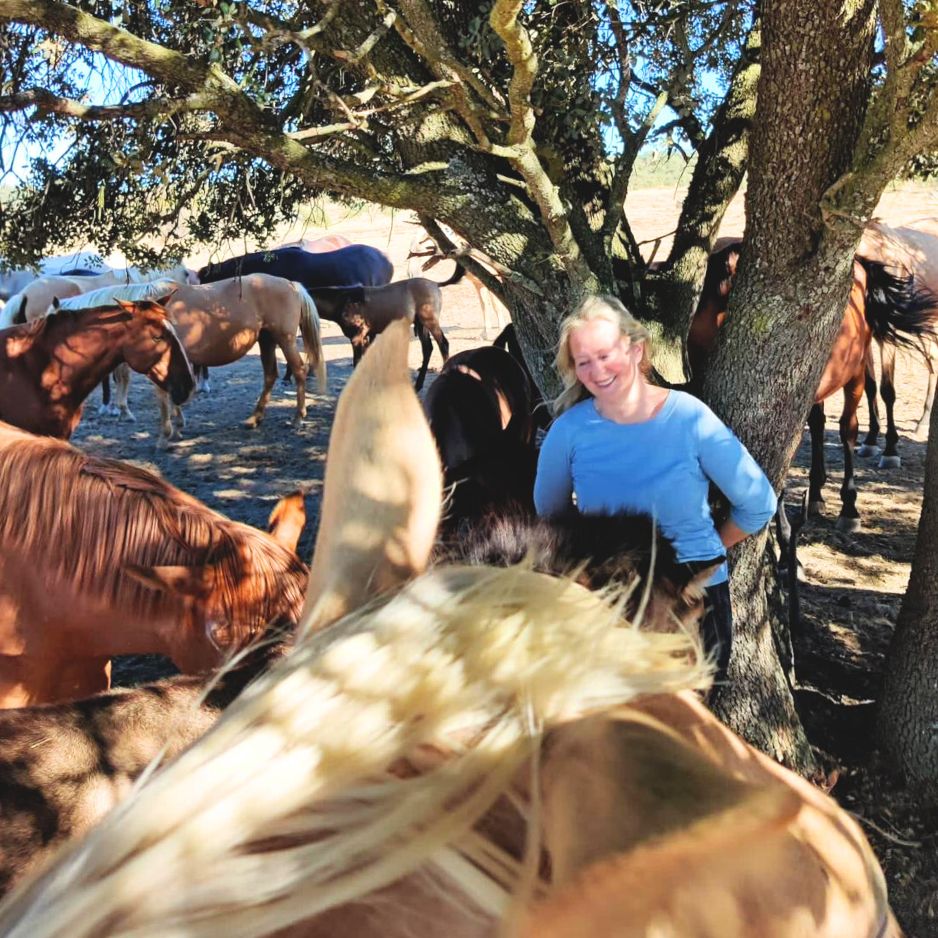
[
  {"x": 458, "y": 274},
  {"x": 898, "y": 310}
]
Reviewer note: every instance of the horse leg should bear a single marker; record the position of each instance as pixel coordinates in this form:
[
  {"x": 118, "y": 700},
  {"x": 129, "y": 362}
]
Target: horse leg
[
  {"x": 297, "y": 366},
  {"x": 890, "y": 458},
  {"x": 203, "y": 385},
  {"x": 870, "y": 446},
  {"x": 122, "y": 392},
  {"x": 105, "y": 407},
  {"x": 849, "y": 518},
  {"x": 426, "y": 346},
  {"x": 166, "y": 425},
  {"x": 925, "y": 419},
  {"x": 269, "y": 360},
  {"x": 818, "y": 475}
]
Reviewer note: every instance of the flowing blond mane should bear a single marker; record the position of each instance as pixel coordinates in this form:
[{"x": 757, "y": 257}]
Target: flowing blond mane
[
  {"x": 108, "y": 296},
  {"x": 109, "y": 515}
]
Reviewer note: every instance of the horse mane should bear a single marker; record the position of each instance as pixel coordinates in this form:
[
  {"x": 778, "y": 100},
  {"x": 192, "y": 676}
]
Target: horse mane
[
  {"x": 110, "y": 514},
  {"x": 108, "y": 296}
]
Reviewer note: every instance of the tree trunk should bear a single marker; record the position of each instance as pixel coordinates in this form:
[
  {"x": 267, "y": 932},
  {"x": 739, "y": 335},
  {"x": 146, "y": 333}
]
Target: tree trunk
[{"x": 908, "y": 717}]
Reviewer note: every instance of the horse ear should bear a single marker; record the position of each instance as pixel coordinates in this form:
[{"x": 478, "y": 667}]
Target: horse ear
[
  {"x": 191, "y": 582},
  {"x": 383, "y": 487},
  {"x": 287, "y": 520},
  {"x": 55, "y": 303},
  {"x": 165, "y": 298}
]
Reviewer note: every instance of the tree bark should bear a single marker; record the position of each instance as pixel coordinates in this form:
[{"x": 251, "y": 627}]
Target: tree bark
[{"x": 907, "y": 727}]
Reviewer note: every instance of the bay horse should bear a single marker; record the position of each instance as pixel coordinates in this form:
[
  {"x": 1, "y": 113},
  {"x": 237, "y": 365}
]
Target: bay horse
[
  {"x": 363, "y": 312},
  {"x": 101, "y": 558},
  {"x": 218, "y": 323},
  {"x": 423, "y": 246},
  {"x": 911, "y": 250},
  {"x": 479, "y": 410},
  {"x": 475, "y": 752},
  {"x": 53, "y": 786},
  {"x": 49, "y": 367},
  {"x": 894, "y": 310}
]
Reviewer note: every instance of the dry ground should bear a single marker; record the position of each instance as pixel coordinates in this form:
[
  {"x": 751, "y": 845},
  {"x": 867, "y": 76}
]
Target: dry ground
[{"x": 855, "y": 582}]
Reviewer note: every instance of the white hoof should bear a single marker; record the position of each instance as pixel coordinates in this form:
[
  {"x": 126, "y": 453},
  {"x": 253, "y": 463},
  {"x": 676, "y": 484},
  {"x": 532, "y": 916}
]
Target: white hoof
[
  {"x": 890, "y": 462},
  {"x": 865, "y": 450},
  {"x": 203, "y": 387},
  {"x": 848, "y": 525},
  {"x": 127, "y": 414}
]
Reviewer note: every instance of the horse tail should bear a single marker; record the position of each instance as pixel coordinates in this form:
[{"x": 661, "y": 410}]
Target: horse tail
[
  {"x": 458, "y": 274},
  {"x": 898, "y": 310},
  {"x": 309, "y": 329}
]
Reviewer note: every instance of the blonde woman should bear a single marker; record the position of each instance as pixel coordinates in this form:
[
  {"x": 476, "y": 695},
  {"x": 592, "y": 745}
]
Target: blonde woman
[{"x": 622, "y": 443}]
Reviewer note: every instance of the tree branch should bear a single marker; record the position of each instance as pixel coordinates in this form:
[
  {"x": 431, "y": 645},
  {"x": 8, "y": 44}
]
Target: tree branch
[{"x": 48, "y": 102}]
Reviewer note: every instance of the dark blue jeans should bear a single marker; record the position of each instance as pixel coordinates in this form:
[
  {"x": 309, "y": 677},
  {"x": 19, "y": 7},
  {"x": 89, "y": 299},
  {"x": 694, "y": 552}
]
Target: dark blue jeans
[{"x": 716, "y": 630}]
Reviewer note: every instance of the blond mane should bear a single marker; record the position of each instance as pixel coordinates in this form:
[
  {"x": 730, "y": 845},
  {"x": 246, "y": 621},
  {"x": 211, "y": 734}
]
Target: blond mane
[{"x": 110, "y": 515}]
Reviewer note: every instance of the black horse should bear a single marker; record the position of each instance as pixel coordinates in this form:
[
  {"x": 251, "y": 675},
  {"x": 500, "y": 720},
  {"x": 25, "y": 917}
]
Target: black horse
[{"x": 356, "y": 264}]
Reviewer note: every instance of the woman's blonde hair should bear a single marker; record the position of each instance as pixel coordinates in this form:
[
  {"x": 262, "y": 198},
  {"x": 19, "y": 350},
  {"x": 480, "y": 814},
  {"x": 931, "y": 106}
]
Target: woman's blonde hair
[{"x": 592, "y": 308}]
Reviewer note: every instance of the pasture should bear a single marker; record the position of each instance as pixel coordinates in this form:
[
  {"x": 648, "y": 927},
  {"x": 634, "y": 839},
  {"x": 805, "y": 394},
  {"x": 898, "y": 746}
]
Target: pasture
[{"x": 855, "y": 581}]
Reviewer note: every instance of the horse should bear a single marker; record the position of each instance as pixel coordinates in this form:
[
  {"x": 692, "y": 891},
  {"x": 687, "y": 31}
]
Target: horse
[
  {"x": 461, "y": 752},
  {"x": 507, "y": 339},
  {"x": 33, "y": 301},
  {"x": 894, "y": 310},
  {"x": 364, "y": 312},
  {"x": 48, "y": 367},
  {"x": 425, "y": 246},
  {"x": 53, "y": 786},
  {"x": 80, "y": 263},
  {"x": 101, "y": 558},
  {"x": 913, "y": 251},
  {"x": 479, "y": 410},
  {"x": 330, "y": 242},
  {"x": 218, "y": 323},
  {"x": 356, "y": 264}
]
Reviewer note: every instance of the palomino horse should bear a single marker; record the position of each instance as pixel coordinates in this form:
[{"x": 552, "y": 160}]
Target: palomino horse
[
  {"x": 48, "y": 367},
  {"x": 448, "y": 761},
  {"x": 364, "y": 312},
  {"x": 913, "y": 251},
  {"x": 51, "y": 756},
  {"x": 100, "y": 558},
  {"x": 892, "y": 309},
  {"x": 330, "y": 242},
  {"x": 218, "y": 323},
  {"x": 424, "y": 246},
  {"x": 479, "y": 410}
]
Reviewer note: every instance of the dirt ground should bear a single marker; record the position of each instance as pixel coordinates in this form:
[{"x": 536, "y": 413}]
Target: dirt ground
[{"x": 855, "y": 582}]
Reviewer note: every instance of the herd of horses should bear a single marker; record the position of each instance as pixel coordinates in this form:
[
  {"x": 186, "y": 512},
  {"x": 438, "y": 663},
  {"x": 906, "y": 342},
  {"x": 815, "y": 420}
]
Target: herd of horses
[{"x": 460, "y": 720}]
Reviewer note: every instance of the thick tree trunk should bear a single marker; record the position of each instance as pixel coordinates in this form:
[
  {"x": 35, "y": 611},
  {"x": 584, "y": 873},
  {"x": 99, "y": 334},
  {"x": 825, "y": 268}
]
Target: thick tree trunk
[
  {"x": 908, "y": 718},
  {"x": 789, "y": 297}
]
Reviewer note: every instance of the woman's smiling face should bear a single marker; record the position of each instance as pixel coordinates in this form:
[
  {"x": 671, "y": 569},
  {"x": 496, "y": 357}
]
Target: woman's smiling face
[{"x": 606, "y": 361}]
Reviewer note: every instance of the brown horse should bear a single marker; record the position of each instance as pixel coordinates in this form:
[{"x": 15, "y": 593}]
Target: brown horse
[
  {"x": 53, "y": 782},
  {"x": 892, "y": 309},
  {"x": 364, "y": 312},
  {"x": 100, "y": 558},
  {"x": 438, "y": 762},
  {"x": 48, "y": 367},
  {"x": 218, "y": 323}
]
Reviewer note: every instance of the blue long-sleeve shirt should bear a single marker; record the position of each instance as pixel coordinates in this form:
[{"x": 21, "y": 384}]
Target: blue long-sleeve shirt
[{"x": 662, "y": 467}]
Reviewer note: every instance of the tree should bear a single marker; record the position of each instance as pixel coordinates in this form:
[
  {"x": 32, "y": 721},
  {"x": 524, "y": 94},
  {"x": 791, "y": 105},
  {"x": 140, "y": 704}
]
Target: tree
[{"x": 517, "y": 125}]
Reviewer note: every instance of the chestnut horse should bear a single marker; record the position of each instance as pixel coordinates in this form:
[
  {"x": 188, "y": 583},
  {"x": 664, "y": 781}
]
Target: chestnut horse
[
  {"x": 48, "y": 367},
  {"x": 218, "y": 323},
  {"x": 451, "y": 759},
  {"x": 913, "y": 251},
  {"x": 894, "y": 310},
  {"x": 100, "y": 558},
  {"x": 52, "y": 786}
]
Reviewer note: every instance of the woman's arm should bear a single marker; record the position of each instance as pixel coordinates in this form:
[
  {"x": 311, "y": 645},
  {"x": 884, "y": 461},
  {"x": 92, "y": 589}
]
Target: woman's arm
[{"x": 553, "y": 485}]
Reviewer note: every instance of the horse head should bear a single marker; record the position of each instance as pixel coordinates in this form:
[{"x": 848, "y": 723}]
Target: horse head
[{"x": 153, "y": 348}]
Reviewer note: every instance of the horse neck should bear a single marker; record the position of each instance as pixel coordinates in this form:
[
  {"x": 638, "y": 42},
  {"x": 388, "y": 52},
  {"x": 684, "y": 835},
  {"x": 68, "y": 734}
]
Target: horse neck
[{"x": 102, "y": 349}]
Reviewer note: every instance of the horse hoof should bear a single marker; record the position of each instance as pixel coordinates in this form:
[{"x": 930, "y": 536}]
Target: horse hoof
[
  {"x": 816, "y": 509},
  {"x": 251, "y": 423},
  {"x": 890, "y": 462},
  {"x": 848, "y": 525},
  {"x": 865, "y": 450},
  {"x": 127, "y": 415}
]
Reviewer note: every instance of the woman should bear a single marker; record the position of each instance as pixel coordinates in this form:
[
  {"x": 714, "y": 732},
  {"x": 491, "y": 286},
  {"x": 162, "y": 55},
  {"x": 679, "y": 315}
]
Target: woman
[{"x": 620, "y": 442}]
